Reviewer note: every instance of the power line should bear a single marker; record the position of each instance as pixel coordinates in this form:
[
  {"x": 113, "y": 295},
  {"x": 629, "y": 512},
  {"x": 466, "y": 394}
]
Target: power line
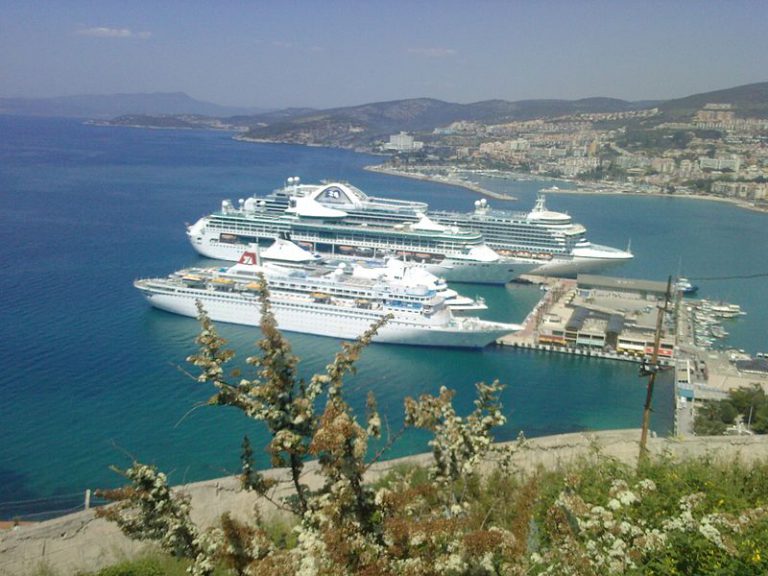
[
  {"x": 47, "y": 499},
  {"x": 738, "y": 277}
]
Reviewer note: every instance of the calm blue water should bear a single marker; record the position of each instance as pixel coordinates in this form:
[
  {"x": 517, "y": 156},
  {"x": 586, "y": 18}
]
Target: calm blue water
[{"x": 91, "y": 375}]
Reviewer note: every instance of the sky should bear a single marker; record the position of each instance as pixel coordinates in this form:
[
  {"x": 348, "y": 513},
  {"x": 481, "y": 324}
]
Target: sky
[{"x": 330, "y": 53}]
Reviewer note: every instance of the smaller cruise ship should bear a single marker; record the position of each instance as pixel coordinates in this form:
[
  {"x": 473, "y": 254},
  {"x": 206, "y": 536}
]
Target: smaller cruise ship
[
  {"x": 283, "y": 252},
  {"x": 553, "y": 239},
  {"x": 341, "y": 302}
]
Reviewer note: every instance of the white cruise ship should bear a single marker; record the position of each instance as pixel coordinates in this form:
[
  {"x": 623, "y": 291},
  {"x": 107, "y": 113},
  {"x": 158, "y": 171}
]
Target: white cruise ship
[
  {"x": 549, "y": 242},
  {"x": 553, "y": 238},
  {"x": 339, "y": 303},
  {"x": 445, "y": 250}
]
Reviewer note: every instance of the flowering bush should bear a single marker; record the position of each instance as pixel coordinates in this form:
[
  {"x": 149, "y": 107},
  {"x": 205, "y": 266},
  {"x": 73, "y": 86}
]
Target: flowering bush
[{"x": 655, "y": 521}]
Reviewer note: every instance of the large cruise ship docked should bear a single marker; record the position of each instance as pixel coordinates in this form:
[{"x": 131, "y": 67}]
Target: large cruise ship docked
[
  {"x": 339, "y": 303},
  {"x": 549, "y": 242},
  {"x": 445, "y": 250}
]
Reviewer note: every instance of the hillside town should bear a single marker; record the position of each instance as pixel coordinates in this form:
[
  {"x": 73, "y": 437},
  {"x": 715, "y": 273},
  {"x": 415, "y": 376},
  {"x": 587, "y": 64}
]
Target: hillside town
[{"x": 715, "y": 152}]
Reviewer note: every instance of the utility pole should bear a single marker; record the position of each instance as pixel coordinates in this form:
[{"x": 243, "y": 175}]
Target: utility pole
[{"x": 651, "y": 369}]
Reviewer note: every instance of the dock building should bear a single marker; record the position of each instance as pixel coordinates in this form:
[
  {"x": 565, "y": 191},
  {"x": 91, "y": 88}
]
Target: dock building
[{"x": 606, "y": 314}]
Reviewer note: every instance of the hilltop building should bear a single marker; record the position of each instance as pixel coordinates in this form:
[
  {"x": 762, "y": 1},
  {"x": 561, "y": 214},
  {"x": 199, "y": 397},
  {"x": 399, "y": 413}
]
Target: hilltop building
[{"x": 715, "y": 113}]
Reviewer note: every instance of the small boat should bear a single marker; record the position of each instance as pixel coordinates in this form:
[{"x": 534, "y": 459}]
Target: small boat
[{"x": 684, "y": 286}]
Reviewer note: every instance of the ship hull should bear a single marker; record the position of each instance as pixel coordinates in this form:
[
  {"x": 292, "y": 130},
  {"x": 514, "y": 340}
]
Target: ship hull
[
  {"x": 328, "y": 320},
  {"x": 572, "y": 267},
  {"x": 451, "y": 269}
]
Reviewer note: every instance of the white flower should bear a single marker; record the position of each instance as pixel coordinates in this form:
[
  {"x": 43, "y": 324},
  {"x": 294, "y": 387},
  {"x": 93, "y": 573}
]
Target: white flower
[
  {"x": 627, "y": 498},
  {"x": 711, "y": 533}
]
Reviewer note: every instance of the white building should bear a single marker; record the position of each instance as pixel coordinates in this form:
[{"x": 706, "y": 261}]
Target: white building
[
  {"x": 733, "y": 163},
  {"x": 403, "y": 142}
]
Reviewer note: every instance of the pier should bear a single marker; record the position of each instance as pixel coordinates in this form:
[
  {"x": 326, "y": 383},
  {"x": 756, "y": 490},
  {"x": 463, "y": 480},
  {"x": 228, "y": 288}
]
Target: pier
[{"x": 614, "y": 319}]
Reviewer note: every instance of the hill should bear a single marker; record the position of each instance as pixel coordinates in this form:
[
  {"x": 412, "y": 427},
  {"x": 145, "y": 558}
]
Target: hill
[
  {"x": 360, "y": 125},
  {"x": 749, "y": 101}
]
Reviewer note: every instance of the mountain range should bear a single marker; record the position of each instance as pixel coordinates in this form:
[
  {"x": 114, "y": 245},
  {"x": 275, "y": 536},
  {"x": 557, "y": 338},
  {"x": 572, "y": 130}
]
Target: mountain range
[{"x": 354, "y": 126}]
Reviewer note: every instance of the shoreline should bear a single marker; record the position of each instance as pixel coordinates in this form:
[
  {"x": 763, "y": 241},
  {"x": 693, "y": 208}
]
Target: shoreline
[
  {"x": 80, "y": 542},
  {"x": 583, "y": 188},
  {"x": 440, "y": 180},
  {"x": 607, "y": 192}
]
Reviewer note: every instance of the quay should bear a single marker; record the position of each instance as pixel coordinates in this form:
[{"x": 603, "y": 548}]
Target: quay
[{"x": 615, "y": 319}]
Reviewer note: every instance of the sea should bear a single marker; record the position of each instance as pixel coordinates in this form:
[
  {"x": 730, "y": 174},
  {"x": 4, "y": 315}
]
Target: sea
[{"x": 93, "y": 378}]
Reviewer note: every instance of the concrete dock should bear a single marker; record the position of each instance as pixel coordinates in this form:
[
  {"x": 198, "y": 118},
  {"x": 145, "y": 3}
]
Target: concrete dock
[{"x": 617, "y": 321}]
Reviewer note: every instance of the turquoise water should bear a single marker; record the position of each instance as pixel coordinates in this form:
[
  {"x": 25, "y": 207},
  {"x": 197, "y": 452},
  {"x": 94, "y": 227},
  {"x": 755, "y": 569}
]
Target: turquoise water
[{"x": 93, "y": 377}]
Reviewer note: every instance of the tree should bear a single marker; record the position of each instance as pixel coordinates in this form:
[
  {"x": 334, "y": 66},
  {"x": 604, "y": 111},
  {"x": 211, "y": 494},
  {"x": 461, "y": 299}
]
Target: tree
[{"x": 749, "y": 404}]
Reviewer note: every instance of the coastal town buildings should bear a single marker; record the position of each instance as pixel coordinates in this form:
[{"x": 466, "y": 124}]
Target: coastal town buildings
[{"x": 716, "y": 152}]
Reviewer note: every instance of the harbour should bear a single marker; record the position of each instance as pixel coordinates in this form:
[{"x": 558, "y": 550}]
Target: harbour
[{"x": 96, "y": 376}]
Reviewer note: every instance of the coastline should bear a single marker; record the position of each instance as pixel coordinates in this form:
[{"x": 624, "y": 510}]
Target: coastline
[
  {"x": 81, "y": 542},
  {"x": 440, "y": 180},
  {"x": 583, "y": 188},
  {"x": 703, "y": 197}
]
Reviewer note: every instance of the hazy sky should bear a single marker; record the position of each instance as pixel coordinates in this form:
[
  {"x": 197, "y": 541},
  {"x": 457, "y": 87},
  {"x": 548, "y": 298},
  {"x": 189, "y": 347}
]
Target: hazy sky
[{"x": 325, "y": 53}]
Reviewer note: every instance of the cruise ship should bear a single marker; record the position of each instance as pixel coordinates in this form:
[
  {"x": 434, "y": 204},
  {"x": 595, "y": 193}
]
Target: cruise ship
[
  {"x": 448, "y": 251},
  {"x": 339, "y": 303},
  {"x": 548, "y": 242},
  {"x": 552, "y": 238}
]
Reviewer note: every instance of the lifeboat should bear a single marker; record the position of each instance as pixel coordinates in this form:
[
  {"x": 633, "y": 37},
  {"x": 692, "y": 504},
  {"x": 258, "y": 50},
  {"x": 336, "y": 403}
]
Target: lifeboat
[{"x": 222, "y": 283}]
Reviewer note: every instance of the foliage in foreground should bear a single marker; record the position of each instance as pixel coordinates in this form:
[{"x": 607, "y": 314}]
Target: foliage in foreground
[{"x": 597, "y": 518}]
